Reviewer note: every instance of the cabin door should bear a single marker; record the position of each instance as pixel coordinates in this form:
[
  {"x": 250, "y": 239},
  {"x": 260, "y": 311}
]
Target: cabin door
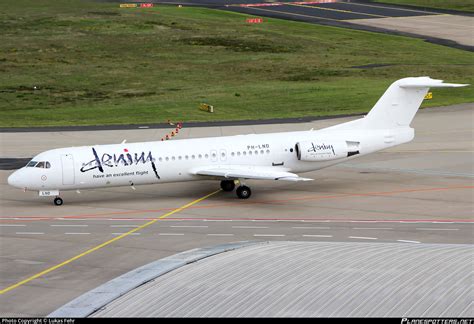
[{"x": 67, "y": 162}]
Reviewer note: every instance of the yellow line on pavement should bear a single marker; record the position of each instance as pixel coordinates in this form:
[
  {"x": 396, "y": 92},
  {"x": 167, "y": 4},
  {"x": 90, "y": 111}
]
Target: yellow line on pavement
[{"x": 106, "y": 243}]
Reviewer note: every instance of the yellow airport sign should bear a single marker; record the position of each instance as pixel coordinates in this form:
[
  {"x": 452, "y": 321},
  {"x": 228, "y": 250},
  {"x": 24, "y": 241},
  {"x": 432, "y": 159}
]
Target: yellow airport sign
[
  {"x": 429, "y": 96},
  {"x": 206, "y": 107},
  {"x": 128, "y": 5}
]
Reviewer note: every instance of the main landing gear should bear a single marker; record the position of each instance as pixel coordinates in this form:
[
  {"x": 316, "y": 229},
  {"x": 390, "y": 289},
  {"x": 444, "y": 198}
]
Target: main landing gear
[
  {"x": 227, "y": 185},
  {"x": 243, "y": 192}
]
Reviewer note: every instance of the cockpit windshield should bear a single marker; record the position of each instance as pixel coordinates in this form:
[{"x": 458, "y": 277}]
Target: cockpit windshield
[
  {"x": 36, "y": 164},
  {"x": 31, "y": 164}
]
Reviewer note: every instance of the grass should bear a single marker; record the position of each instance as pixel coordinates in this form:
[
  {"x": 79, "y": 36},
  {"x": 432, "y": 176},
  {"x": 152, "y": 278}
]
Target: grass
[
  {"x": 71, "y": 62},
  {"x": 462, "y": 5}
]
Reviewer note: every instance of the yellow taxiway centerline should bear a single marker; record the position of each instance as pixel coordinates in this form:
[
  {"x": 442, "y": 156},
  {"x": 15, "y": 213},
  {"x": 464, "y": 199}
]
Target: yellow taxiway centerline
[{"x": 177, "y": 210}]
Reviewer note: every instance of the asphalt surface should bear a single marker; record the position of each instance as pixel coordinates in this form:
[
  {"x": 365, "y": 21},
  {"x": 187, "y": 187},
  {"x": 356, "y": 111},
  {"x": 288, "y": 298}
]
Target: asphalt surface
[
  {"x": 347, "y": 14},
  {"x": 420, "y": 192}
]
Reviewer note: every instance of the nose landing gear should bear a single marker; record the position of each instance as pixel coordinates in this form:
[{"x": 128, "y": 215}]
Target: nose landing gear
[{"x": 58, "y": 201}]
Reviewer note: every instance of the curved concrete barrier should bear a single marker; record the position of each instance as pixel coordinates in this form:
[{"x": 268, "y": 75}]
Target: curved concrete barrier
[{"x": 97, "y": 298}]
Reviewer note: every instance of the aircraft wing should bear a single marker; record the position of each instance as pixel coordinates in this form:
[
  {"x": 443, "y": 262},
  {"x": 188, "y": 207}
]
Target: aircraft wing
[{"x": 248, "y": 172}]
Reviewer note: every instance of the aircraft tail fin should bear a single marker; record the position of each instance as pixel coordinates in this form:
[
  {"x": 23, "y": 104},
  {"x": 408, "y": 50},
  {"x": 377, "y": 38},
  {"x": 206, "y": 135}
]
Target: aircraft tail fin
[{"x": 400, "y": 102}]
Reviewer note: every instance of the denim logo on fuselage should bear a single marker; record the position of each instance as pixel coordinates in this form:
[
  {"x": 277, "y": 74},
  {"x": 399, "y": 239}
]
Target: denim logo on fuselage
[{"x": 114, "y": 160}]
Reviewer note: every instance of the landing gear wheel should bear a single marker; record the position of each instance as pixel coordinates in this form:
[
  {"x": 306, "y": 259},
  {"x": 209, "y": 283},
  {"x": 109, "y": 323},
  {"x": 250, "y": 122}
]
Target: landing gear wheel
[
  {"x": 243, "y": 192},
  {"x": 58, "y": 201},
  {"x": 227, "y": 185}
]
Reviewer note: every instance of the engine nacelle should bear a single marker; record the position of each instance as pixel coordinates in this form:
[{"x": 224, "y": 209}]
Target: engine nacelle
[{"x": 321, "y": 150}]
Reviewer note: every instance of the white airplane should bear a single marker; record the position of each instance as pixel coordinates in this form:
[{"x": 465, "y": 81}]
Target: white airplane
[{"x": 230, "y": 159}]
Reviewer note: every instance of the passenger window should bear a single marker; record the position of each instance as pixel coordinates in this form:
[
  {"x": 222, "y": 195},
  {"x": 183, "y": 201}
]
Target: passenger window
[
  {"x": 48, "y": 165},
  {"x": 40, "y": 165}
]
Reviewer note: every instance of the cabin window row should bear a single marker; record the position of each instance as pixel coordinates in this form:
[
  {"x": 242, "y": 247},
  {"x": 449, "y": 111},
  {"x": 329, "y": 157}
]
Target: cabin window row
[{"x": 213, "y": 155}]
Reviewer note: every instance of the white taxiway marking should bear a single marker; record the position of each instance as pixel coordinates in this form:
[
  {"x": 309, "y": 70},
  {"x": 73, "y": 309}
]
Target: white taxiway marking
[
  {"x": 124, "y": 225},
  {"x": 265, "y": 221},
  {"x": 72, "y": 225},
  {"x": 438, "y": 229},
  {"x": 311, "y": 235},
  {"x": 189, "y": 226},
  {"x": 411, "y": 222},
  {"x": 406, "y": 241},
  {"x": 77, "y": 233},
  {"x": 269, "y": 235},
  {"x": 363, "y": 238},
  {"x": 309, "y": 227},
  {"x": 30, "y": 262},
  {"x": 29, "y": 233},
  {"x": 171, "y": 234},
  {"x": 220, "y": 234},
  {"x": 250, "y": 227},
  {"x": 13, "y": 225},
  {"x": 316, "y": 221},
  {"x": 372, "y": 228},
  {"x": 361, "y": 221}
]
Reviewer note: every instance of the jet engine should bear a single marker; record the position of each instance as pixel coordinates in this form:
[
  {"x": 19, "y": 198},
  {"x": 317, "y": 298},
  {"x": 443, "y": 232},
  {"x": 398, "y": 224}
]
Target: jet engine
[{"x": 313, "y": 151}]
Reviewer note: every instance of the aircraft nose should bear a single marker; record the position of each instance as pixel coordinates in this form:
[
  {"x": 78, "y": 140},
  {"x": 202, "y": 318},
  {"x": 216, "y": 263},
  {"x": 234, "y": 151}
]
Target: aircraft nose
[{"x": 13, "y": 179}]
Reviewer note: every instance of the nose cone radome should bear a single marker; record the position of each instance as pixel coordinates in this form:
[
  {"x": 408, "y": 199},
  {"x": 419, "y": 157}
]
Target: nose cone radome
[{"x": 13, "y": 180}]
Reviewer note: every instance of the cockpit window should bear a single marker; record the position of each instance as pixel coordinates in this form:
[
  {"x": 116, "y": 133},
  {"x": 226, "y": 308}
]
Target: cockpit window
[
  {"x": 36, "y": 164},
  {"x": 31, "y": 164}
]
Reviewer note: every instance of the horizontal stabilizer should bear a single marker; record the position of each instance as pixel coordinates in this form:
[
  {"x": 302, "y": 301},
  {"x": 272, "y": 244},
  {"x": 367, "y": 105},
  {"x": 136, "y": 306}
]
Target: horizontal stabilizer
[{"x": 426, "y": 82}]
